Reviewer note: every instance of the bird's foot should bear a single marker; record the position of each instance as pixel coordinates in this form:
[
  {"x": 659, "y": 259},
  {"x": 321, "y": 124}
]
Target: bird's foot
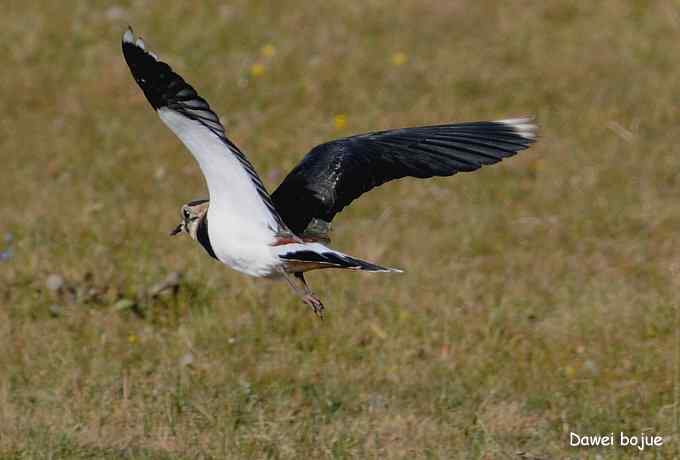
[{"x": 314, "y": 302}]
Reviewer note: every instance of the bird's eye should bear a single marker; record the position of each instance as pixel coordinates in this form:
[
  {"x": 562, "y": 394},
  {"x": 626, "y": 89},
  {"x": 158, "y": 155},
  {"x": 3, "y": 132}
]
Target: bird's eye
[{"x": 185, "y": 213}]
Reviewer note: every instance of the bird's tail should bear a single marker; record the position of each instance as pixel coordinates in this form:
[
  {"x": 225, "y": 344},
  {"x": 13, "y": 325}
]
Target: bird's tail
[{"x": 305, "y": 257}]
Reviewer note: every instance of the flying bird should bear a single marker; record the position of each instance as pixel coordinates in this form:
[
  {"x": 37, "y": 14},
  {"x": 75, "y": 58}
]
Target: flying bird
[{"x": 285, "y": 234}]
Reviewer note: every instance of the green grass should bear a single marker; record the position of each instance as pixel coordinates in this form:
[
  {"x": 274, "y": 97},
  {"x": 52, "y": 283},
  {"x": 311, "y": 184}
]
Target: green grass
[{"x": 540, "y": 295}]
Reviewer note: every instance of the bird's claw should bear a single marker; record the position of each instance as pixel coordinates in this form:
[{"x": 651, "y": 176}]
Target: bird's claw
[{"x": 314, "y": 302}]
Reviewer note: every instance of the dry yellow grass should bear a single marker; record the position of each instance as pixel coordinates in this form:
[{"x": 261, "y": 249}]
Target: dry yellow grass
[{"x": 540, "y": 295}]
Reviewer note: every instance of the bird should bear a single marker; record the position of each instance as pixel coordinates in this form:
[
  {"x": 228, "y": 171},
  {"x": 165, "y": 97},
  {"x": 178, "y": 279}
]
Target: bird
[{"x": 287, "y": 233}]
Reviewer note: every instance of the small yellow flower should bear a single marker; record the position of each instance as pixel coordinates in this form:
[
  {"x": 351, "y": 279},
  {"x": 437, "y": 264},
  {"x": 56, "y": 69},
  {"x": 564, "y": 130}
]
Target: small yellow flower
[
  {"x": 268, "y": 50},
  {"x": 404, "y": 315},
  {"x": 340, "y": 121},
  {"x": 257, "y": 70},
  {"x": 132, "y": 339},
  {"x": 399, "y": 58}
]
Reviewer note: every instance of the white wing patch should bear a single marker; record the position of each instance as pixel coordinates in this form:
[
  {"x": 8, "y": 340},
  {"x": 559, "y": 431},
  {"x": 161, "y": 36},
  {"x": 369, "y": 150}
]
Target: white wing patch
[
  {"x": 231, "y": 187},
  {"x": 524, "y": 127}
]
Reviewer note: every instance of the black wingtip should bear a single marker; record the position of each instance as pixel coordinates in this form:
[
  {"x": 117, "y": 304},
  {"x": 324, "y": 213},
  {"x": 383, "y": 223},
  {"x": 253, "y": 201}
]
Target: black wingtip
[
  {"x": 154, "y": 77},
  {"x": 164, "y": 88}
]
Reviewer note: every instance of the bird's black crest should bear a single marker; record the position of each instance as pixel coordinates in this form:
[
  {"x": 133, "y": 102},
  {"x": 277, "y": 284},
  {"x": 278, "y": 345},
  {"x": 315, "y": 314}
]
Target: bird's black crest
[{"x": 197, "y": 202}]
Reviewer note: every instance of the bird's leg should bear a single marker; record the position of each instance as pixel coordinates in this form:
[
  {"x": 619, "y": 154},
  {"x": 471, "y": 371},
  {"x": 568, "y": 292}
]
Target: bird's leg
[{"x": 299, "y": 285}]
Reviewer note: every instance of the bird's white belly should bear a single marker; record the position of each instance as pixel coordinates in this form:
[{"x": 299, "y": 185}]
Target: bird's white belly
[
  {"x": 247, "y": 259},
  {"x": 243, "y": 247}
]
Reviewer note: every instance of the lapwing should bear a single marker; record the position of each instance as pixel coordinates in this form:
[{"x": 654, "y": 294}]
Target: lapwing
[{"x": 285, "y": 234}]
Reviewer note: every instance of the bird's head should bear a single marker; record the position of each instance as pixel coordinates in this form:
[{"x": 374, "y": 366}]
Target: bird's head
[{"x": 192, "y": 213}]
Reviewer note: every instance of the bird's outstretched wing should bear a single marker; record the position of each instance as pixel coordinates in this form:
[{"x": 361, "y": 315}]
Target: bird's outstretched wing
[
  {"x": 333, "y": 174},
  {"x": 233, "y": 184}
]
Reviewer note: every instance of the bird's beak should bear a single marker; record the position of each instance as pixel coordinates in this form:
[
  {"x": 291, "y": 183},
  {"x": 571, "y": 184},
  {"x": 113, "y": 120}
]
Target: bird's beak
[{"x": 177, "y": 230}]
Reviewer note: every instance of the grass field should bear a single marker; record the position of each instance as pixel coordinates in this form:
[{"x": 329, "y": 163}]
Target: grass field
[{"x": 539, "y": 298}]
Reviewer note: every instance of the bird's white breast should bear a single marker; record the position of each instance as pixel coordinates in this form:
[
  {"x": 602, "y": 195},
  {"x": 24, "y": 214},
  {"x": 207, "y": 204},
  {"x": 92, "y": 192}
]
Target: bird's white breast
[{"x": 242, "y": 244}]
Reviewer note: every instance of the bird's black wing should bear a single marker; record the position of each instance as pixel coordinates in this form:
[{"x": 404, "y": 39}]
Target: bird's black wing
[{"x": 333, "y": 174}]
